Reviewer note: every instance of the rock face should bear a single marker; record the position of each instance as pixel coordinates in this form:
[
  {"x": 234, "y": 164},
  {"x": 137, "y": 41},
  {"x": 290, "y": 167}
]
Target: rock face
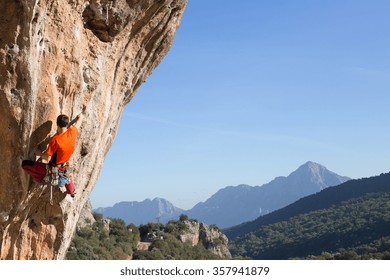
[
  {"x": 57, "y": 57},
  {"x": 210, "y": 236},
  {"x": 86, "y": 218},
  {"x": 215, "y": 241},
  {"x": 192, "y": 233}
]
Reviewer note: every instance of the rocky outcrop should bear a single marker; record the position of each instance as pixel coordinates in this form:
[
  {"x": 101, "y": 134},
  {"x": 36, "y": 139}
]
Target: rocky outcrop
[
  {"x": 86, "y": 218},
  {"x": 191, "y": 234},
  {"x": 210, "y": 236},
  {"x": 59, "y": 57},
  {"x": 215, "y": 241}
]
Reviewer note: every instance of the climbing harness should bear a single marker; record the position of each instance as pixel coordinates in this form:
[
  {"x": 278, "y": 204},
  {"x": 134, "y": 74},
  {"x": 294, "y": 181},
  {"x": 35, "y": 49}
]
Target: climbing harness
[{"x": 53, "y": 174}]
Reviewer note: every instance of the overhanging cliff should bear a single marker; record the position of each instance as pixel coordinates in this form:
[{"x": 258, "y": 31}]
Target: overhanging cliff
[{"x": 58, "y": 57}]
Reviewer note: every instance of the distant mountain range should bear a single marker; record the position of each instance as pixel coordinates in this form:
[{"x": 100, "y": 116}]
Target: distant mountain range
[
  {"x": 138, "y": 213},
  {"x": 233, "y": 205}
]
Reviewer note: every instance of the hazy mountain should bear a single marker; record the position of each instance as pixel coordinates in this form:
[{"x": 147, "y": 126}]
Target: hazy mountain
[
  {"x": 141, "y": 212},
  {"x": 232, "y": 205},
  {"x": 235, "y": 205},
  {"x": 351, "y": 220}
]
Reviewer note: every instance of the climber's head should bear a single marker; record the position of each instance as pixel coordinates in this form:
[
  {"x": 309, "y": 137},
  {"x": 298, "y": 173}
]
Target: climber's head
[{"x": 62, "y": 121}]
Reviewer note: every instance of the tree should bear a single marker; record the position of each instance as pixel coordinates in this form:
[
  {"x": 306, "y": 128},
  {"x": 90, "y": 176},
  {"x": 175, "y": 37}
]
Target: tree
[{"x": 183, "y": 218}]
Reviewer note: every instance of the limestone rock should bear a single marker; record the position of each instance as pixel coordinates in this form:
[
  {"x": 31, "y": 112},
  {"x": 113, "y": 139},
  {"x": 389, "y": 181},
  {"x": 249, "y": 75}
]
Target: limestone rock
[
  {"x": 58, "y": 57},
  {"x": 215, "y": 241},
  {"x": 191, "y": 234},
  {"x": 210, "y": 236},
  {"x": 86, "y": 218}
]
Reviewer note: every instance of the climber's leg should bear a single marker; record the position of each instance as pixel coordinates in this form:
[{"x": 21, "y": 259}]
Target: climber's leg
[
  {"x": 37, "y": 170},
  {"x": 70, "y": 187}
]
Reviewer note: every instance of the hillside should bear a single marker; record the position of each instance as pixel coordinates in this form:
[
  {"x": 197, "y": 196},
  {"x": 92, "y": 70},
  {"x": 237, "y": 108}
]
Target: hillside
[
  {"x": 354, "y": 224},
  {"x": 321, "y": 200},
  {"x": 112, "y": 239}
]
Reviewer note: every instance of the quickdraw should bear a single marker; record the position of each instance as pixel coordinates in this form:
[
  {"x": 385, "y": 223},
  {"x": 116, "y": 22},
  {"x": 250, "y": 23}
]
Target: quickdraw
[
  {"x": 52, "y": 172},
  {"x": 51, "y": 195}
]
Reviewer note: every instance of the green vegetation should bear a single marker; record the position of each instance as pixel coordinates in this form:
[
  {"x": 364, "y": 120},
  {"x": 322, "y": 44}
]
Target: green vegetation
[
  {"x": 183, "y": 218},
  {"x": 171, "y": 248},
  {"x": 96, "y": 243},
  {"x": 358, "y": 228},
  {"x": 120, "y": 242},
  {"x": 350, "y": 221},
  {"x": 378, "y": 249},
  {"x": 322, "y": 200},
  {"x": 166, "y": 243}
]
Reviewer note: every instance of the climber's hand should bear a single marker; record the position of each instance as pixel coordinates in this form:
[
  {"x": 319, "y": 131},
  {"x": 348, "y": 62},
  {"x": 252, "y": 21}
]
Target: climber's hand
[
  {"x": 78, "y": 120},
  {"x": 38, "y": 151}
]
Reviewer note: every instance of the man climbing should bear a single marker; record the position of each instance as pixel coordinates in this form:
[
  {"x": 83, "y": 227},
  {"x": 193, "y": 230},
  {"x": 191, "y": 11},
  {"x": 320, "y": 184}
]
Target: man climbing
[{"x": 54, "y": 161}]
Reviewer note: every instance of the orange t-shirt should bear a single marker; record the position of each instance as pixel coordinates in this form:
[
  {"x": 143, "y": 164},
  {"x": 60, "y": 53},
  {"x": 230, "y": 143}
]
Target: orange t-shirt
[{"x": 63, "y": 144}]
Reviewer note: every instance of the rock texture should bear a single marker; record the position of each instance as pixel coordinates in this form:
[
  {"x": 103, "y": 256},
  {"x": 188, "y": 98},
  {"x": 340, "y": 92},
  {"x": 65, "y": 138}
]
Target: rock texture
[
  {"x": 86, "y": 218},
  {"x": 191, "y": 234},
  {"x": 215, "y": 241},
  {"x": 57, "y": 57},
  {"x": 210, "y": 236}
]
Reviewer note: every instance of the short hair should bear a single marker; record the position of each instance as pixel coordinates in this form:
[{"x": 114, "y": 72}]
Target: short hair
[{"x": 62, "y": 120}]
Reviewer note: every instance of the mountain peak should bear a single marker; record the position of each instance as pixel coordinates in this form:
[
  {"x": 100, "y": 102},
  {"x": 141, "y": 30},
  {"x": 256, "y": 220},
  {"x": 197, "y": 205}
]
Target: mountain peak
[
  {"x": 311, "y": 168},
  {"x": 234, "y": 205},
  {"x": 142, "y": 212},
  {"x": 317, "y": 174},
  {"x": 311, "y": 165}
]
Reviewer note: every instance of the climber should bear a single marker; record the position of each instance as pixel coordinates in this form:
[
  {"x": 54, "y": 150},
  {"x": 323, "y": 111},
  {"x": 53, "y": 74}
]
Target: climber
[{"x": 54, "y": 161}]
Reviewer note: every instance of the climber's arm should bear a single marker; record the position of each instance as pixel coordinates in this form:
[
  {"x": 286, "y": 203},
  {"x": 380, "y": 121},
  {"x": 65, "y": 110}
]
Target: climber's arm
[
  {"x": 78, "y": 121},
  {"x": 49, "y": 152},
  {"x": 44, "y": 156}
]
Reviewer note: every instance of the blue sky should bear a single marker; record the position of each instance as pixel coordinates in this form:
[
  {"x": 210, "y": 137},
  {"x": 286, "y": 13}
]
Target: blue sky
[{"x": 251, "y": 90}]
